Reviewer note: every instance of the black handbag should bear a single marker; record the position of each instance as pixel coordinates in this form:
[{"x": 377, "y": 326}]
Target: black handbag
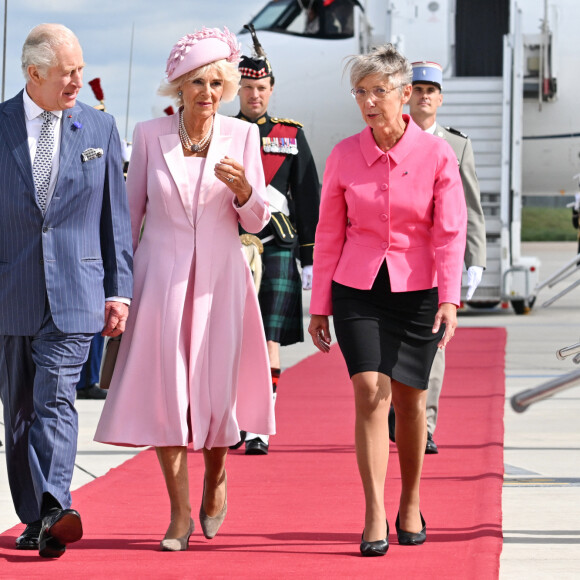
[{"x": 285, "y": 234}]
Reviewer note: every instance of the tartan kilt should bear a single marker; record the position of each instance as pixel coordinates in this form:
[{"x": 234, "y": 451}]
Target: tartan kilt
[{"x": 280, "y": 296}]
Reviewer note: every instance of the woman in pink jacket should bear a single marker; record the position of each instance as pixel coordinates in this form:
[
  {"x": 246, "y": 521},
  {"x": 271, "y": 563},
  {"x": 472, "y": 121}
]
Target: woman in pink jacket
[
  {"x": 193, "y": 364},
  {"x": 388, "y": 258}
]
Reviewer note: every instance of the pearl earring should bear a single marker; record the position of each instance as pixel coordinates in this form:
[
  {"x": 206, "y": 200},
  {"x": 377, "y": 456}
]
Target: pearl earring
[{"x": 180, "y": 93}]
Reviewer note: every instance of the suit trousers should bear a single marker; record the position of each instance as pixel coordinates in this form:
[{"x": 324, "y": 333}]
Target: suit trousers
[
  {"x": 434, "y": 389},
  {"x": 38, "y": 376}
]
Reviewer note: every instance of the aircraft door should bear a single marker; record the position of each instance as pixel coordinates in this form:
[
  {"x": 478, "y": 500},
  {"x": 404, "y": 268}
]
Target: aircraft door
[{"x": 479, "y": 30}]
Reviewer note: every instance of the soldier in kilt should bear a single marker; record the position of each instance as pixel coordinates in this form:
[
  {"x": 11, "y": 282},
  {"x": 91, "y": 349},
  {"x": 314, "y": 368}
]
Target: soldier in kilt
[{"x": 294, "y": 195}]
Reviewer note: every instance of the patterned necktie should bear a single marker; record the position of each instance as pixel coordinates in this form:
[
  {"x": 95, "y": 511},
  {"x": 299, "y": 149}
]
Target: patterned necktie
[{"x": 42, "y": 165}]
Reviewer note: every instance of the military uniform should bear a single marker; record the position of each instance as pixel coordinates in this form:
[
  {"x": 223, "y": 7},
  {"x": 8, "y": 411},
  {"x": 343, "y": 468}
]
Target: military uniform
[
  {"x": 426, "y": 72},
  {"x": 296, "y": 180},
  {"x": 293, "y": 192},
  {"x": 475, "y": 249}
]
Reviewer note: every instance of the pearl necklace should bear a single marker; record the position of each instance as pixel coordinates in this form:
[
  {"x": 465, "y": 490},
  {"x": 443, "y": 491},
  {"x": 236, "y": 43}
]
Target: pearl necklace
[{"x": 186, "y": 141}]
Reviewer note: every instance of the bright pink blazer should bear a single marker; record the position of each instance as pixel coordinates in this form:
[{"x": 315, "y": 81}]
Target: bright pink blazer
[{"x": 405, "y": 206}]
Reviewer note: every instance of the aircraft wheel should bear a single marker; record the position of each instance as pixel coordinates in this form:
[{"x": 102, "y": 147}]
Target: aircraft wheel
[
  {"x": 483, "y": 303},
  {"x": 520, "y": 306}
]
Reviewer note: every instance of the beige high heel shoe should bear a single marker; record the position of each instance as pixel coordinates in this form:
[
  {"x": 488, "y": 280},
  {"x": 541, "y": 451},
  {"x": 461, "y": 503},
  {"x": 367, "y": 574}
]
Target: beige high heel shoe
[
  {"x": 178, "y": 544},
  {"x": 211, "y": 524}
]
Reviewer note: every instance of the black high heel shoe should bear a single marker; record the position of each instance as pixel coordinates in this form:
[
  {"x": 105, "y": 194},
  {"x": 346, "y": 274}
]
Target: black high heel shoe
[
  {"x": 378, "y": 548},
  {"x": 411, "y": 538}
]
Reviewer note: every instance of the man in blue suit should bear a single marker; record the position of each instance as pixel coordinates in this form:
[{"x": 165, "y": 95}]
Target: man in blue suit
[{"x": 65, "y": 274}]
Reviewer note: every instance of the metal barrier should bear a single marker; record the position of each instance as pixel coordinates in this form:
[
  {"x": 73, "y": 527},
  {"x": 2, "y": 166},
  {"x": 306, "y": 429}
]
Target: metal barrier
[
  {"x": 569, "y": 351},
  {"x": 521, "y": 401},
  {"x": 568, "y": 269}
]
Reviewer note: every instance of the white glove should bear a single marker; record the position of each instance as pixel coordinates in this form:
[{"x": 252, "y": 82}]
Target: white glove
[
  {"x": 307, "y": 277},
  {"x": 577, "y": 201},
  {"x": 126, "y": 149},
  {"x": 474, "y": 274}
]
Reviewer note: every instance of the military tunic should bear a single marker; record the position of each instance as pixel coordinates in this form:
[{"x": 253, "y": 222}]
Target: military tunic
[
  {"x": 475, "y": 247},
  {"x": 296, "y": 179}
]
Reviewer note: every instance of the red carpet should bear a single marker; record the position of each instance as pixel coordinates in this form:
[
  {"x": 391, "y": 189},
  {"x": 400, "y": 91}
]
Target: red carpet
[{"x": 298, "y": 513}]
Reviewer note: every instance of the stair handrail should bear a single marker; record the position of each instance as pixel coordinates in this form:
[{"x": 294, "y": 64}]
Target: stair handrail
[{"x": 522, "y": 400}]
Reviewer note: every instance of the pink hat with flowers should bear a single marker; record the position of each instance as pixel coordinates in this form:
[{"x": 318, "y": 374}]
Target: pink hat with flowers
[{"x": 200, "y": 48}]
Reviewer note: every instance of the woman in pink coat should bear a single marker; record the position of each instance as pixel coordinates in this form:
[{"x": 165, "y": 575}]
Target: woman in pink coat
[
  {"x": 193, "y": 364},
  {"x": 387, "y": 265}
]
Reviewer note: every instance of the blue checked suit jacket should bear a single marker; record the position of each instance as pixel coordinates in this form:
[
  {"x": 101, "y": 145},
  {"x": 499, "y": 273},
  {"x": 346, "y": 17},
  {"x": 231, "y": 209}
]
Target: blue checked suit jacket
[{"x": 80, "y": 251}]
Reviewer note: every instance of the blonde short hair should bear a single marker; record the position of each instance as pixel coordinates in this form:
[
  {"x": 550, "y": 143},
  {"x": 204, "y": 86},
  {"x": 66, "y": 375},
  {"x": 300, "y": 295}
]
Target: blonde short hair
[{"x": 228, "y": 71}]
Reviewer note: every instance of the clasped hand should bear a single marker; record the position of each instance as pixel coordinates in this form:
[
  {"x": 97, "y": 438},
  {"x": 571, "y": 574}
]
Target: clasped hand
[
  {"x": 116, "y": 314},
  {"x": 232, "y": 173}
]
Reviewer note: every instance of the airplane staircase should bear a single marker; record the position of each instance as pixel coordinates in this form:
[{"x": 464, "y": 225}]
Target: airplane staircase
[{"x": 473, "y": 105}]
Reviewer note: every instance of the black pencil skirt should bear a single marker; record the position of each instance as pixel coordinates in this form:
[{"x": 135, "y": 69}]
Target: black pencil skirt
[{"x": 388, "y": 332}]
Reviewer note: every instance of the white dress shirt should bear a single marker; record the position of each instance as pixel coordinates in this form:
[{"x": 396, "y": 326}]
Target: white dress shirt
[{"x": 431, "y": 129}]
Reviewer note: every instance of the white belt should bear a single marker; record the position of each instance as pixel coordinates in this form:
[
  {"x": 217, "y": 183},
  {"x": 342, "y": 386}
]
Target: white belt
[{"x": 277, "y": 200}]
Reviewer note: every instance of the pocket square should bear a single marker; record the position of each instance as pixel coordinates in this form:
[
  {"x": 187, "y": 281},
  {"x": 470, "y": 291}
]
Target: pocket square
[{"x": 91, "y": 153}]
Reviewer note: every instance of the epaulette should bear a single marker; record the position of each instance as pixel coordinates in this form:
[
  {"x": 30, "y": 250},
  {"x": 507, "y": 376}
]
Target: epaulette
[
  {"x": 286, "y": 122},
  {"x": 456, "y": 132}
]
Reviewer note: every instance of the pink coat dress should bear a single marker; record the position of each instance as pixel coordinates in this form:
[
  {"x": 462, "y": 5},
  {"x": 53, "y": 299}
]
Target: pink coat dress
[{"x": 193, "y": 363}]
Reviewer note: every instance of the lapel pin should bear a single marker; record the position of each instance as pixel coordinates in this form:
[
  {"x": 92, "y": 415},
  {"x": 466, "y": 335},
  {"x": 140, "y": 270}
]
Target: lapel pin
[{"x": 77, "y": 125}]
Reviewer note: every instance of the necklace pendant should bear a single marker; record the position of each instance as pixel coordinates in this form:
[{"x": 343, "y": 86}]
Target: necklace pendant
[{"x": 195, "y": 148}]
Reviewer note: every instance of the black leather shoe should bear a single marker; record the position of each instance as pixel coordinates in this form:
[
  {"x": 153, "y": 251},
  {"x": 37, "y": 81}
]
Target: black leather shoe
[
  {"x": 256, "y": 447},
  {"x": 59, "y": 528},
  {"x": 28, "y": 540},
  {"x": 240, "y": 442},
  {"x": 411, "y": 538},
  {"x": 392, "y": 424},
  {"x": 430, "y": 447},
  {"x": 92, "y": 392},
  {"x": 377, "y": 548}
]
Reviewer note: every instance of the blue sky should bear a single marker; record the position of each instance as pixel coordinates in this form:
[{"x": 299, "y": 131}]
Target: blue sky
[{"x": 104, "y": 30}]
